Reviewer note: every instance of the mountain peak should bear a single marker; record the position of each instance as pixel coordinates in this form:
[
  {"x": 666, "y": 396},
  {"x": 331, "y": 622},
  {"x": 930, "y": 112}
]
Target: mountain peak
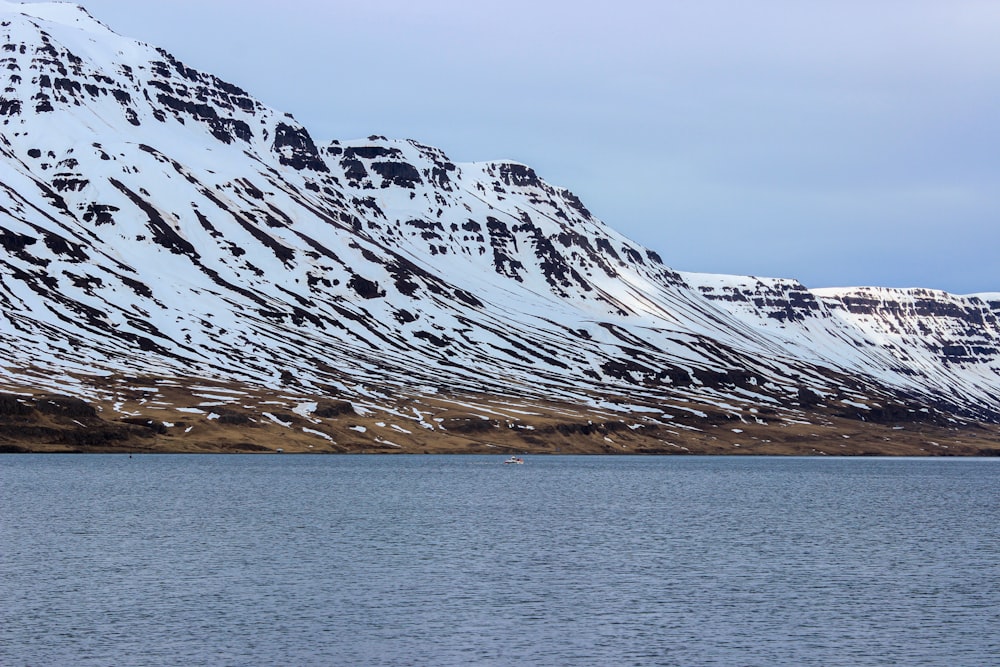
[{"x": 63, "y": 13}]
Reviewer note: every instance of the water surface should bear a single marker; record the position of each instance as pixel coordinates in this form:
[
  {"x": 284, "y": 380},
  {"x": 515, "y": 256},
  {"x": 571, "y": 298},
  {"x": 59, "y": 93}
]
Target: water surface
[{"x": 459, "y": 560}]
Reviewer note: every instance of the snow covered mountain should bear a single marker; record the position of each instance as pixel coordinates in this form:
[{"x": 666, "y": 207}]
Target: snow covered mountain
[{"x": 162, "y": 229}]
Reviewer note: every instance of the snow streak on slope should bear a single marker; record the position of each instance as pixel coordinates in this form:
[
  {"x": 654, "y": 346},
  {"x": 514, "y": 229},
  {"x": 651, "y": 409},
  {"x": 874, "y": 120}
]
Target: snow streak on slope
[{"x": 157, "y": 220}]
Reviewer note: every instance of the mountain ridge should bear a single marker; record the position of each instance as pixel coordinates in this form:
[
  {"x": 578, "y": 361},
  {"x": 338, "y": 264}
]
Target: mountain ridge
[{"x": 157, "y": 222}]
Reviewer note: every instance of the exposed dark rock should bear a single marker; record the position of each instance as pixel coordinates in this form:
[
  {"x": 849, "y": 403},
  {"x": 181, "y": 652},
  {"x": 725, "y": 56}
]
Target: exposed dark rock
[
  {"x": 438, "y": 341},
  {"x": 64, "y": 406},
  {"x": 502, "y": 238},
  {"x": 100, "y": 214},
  {"x": 404, "y": 316},
  {"x": 9, "y": 107},
  {"x": 233, "y": 418},
  {"x": 14, "y": 242},
  {"x": 401, "y": 174},
  {"x": 354, "y": 170},
  {"x": 295, "y": 149},
  {"x": 13, "y": 406},
  {"x": 519, "y": 175},
  {"x": 151, "y": 424},
  {"x": 333, "y": 409},
  {"x": 471, "y": 425},
  {"x": 372, "y": 152},
  {"x": 808, "y": 398},
  {"x": 365, "y": 288}
]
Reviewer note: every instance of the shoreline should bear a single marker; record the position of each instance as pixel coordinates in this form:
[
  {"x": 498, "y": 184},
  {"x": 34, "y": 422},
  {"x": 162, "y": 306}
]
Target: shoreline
[{"x": 185, "y": 423}]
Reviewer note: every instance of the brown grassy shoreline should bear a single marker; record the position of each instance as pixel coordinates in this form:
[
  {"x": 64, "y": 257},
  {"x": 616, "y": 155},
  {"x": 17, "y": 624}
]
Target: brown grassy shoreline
[{"x": 46, "y": 423}]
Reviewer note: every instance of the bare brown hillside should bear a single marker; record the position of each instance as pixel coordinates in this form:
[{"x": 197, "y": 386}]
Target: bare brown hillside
[{"x": 157, "y": 415}]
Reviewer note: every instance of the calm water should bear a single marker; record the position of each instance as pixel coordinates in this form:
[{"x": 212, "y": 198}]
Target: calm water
[{"x": 434, "y": 560}]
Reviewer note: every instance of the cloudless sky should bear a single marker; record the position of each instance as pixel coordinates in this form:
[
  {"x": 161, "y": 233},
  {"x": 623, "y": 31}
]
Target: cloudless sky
[{"x": 838, "y": 142}]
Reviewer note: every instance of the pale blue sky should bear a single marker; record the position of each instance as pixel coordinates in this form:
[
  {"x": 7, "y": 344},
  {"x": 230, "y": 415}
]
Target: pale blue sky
[{"x": 838, "y": 142}]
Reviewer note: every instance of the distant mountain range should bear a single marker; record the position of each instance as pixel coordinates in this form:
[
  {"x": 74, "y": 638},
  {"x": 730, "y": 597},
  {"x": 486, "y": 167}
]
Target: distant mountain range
[{"x": 176, "y": 252}]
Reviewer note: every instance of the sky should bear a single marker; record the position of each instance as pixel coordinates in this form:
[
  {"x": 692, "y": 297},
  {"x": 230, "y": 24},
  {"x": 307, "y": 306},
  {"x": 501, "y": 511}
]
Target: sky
[{"x": 837, "y": 142}]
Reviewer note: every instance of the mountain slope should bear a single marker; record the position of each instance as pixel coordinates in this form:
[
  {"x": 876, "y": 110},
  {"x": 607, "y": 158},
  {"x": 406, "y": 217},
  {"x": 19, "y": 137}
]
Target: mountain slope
[{"x": 163, "y": 231}]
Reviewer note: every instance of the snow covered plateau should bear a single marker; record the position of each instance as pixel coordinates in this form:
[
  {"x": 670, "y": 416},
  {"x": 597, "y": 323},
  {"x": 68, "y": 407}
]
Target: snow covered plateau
[{"x": 183, "y": 268}]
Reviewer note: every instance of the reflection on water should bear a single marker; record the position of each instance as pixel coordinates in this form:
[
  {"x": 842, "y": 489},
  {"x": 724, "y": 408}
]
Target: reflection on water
[{"x": 435, "y": 560}]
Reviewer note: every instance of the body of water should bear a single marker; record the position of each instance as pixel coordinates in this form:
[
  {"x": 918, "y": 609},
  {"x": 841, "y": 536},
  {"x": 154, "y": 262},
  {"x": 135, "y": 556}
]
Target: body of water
[{"x": 460, "y": 560}]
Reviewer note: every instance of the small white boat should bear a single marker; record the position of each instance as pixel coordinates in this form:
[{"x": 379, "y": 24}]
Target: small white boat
[{"x": 516, "y": 460}]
